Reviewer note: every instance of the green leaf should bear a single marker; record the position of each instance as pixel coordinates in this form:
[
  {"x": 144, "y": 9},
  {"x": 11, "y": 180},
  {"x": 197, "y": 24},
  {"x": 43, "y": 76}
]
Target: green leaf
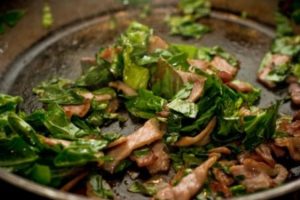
[
  {"x": 148, "y": 189},
  {"x": 41, "y": 174},
  {"x": 95, "y": 76},
  {"x": 135, "y": 76},
  {"x": 284, "y": 27},
  {"x": 11, "y": 18},
  {"x": 145, "y": 104},
  {"x": 15, "y": 151},
  {"x": 22, "y": 128},
  {"x": 80, "y": 152},
  {"x": 165, "y": 81},
  {"x": 287, "y": 46},
  {"x": 58, "y": 91},
  {"x": 9, "y": 103},
  {"x": 260, "y": 127},
  {"x": 99, "y": 187},
  {"x": 197, "y": 8},
  {"x": 186, "y": 108},
  {"x": 185, "y": 26},
  {"x": 59, "y": 125}
]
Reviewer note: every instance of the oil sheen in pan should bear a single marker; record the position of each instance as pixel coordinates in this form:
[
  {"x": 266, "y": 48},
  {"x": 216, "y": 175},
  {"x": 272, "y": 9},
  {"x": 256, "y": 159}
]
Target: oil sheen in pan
[{"x": 59, "y": 55}]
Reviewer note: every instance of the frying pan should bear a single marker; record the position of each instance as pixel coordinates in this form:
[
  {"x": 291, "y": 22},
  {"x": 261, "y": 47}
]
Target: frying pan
[{"x": 31, "y": 54}]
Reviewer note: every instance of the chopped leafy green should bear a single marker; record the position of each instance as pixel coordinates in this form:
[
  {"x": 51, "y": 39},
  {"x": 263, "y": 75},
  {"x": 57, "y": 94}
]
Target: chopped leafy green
[
  {"x": 41, "y": 174},
  {"x": 188, "y": 109},
  {"x": 141, "y": 152},
  {"x": 287, "y": 46},
  {"x": 58, "y": 91},
  {"x": 260, "y": 127},
  {"x": 135, "y": 76},
  {"x": 80, "y": 152},
  {"x": 185, "y": 26},
  {"x": 15, "y": 151},
  {"x": 59, "y": 125},
  {"x": 148, "y": 189},
  {"x": 166, "y": 82},
  {"x": 284, "y": 27},
  {"x": 10, "y": 18},
  {"x": 95, "y": 76},
  {"x": 98, "y": 187},
  {"x": 9, "y": 103},
  {"x": 197, "y": 8},
  {"x": 24, "y": 130},
  {"x": 145, "y": 104}
]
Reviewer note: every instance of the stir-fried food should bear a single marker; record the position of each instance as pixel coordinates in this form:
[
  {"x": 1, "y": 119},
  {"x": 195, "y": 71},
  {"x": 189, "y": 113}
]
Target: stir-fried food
[{"x": 195, "y": 122}]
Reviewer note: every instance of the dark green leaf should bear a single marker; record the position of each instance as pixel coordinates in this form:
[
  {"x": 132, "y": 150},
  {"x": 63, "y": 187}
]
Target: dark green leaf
[
  {"x": 145, "y": 104},
  {"x": 186, "y": 108},
  {"x": 99, "y": 187},
  {"x": 15, "y": 151},
  {"x": 165, "y": 81}
]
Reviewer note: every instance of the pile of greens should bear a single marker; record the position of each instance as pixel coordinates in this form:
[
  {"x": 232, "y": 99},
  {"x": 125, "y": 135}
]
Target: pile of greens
[
  {"x": 187, "y": 24},
  {"x": 50, "y": 147}
]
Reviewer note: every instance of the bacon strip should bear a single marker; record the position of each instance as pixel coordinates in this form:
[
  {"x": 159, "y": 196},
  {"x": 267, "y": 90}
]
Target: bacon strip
[
  {"x": 197, "y": 91},
  {"x": 189, "y": 185},
  {"x": 294, "y": 90},
  {"x": 145, "y": 135},
  {"x": 119, "y": 85},
  {"x": 201, "y": 138},
  {"x": 155, "y": 43},
  {"x": 265, "y": 152},
  {"x": 162, "y": 161},
  {"x": 292, "y": 144},
  {"x": 225, "y": 71}
]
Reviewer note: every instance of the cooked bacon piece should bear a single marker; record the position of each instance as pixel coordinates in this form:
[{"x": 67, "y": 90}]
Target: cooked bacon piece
[
  {"x": 296, "y": 115},
  {"x": 197, "y": 91},
  {"x": 292, "y": 144},
  {"x": 225, "y": 71},
  {"x": 200, "y": 64},
  {"x": 162, "y": 161},
  {"x": 264, "y": 151},
  {"x": 282, "y": 174},
  {"x": 119, "y": 85},
  {"x": 73, "y": 182},
  {"x": 82, "y": 109},
  {"x": 189, "y": 77},
  {"x": 218, "y": 187},
  {"x": 240, "y": 86},
  {"x": 144, "y": 160},
  {"x": 222, "y": 177},
  {"x": 110, "y": 53},
  {"x": 189, "y": 185},
  {"x": 200, "y": 139},
  {"x": 87, "y": 62},
  {"x": 117, "y": 142},
  {"x": 78, "y": 110},
  {"x": 294, "y": 91},
  {"x": 156, "y": 42},
  {"x": 145, "y": 135},
  {"x": 275, "y": 60},
  {"x": 54, "y": 141},
  {"x": 221, "y": 150},
  {"x": 285, "y": 125},
  {"x": 258, "y": 175},
  {"x": 277, "y": 150},
  {"x": 251, "y": 155}
]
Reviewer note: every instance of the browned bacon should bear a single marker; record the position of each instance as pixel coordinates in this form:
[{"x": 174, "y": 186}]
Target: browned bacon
[
  {"x": 119, "y": 85},
  {"x": 240, "y": 86},
  {"x": 189, "y": 185},
  {"x": 265, "y": 152},
  {"x": 162, "y": 161},
  {"x": 292, "y": 144},
  {"x": 201, "y": 138},
  {"x": 294, "y": 91},
  {"x": 155, "y": 43},
  {"x": 145, "y": 135},
  {"x": 225, "y": 71},
  {"x": 197, "y": 91}
]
